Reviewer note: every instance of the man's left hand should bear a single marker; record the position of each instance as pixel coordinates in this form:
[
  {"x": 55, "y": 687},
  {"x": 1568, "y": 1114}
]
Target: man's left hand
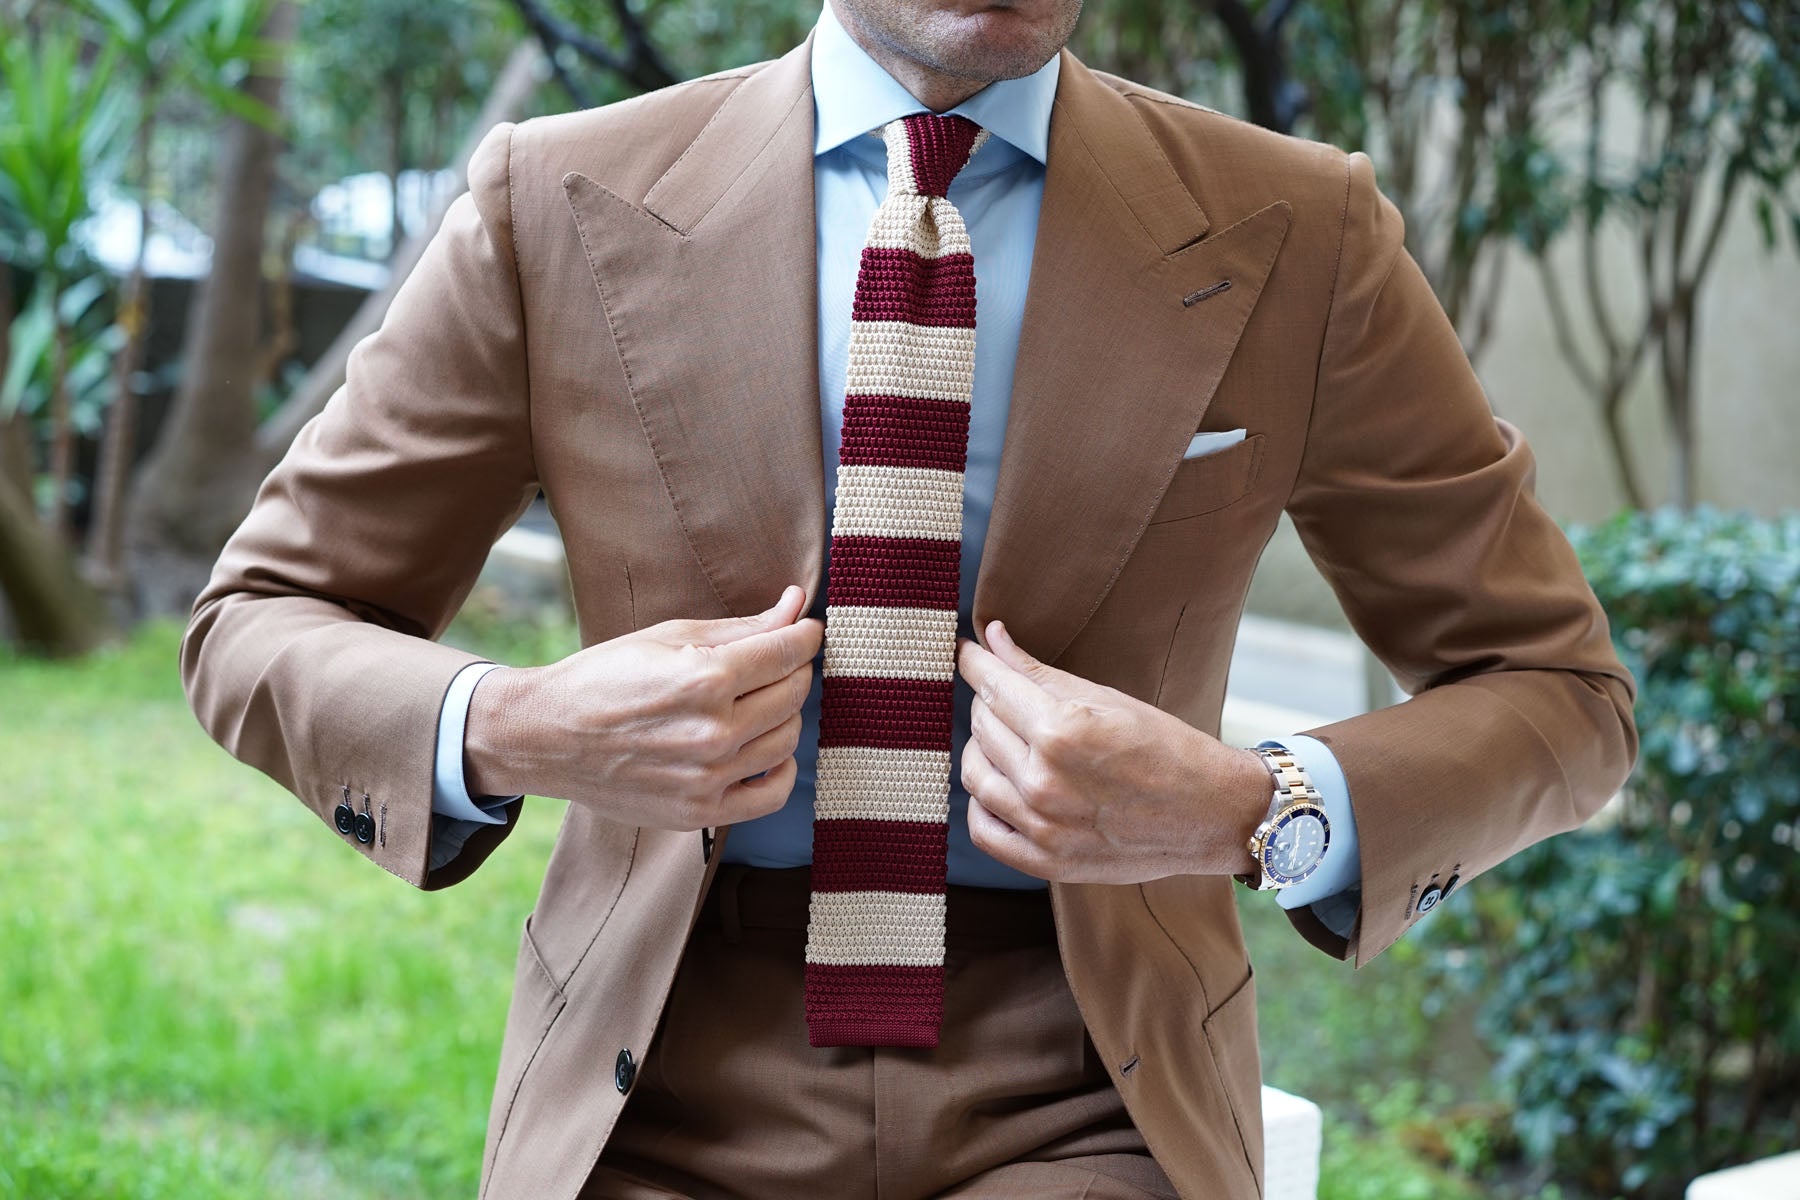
[{"x": 1079, "y": 783}]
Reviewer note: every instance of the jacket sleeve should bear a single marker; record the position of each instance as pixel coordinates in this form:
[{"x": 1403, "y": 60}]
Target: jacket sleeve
[
  {"x": 1417, "y": 504},
  {"x": 310, "y": 655}
]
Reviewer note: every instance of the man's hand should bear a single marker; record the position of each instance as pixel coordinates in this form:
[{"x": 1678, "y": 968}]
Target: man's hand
[
  {"x": 668, "y": 727},
  {"x": 1075, "y": 782}
]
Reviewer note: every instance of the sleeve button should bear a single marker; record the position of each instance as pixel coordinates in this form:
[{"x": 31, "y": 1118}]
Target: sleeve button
[
  {"x": 344, "y": 818},
  {"x": 624, "y": 1071},
  {"x": 365, "y": 828},
  {"x": 1429, "y": 899}
]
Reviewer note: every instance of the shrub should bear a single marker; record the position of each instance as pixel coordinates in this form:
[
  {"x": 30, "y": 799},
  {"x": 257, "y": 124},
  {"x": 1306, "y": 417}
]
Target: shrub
[{"x": 1643, "y": 975}]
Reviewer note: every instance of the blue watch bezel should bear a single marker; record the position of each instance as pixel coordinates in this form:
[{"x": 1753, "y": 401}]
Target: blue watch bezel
[{"x": 1303, "y": 808}]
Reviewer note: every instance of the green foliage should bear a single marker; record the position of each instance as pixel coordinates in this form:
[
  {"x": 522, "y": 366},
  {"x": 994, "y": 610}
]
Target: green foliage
[
  {"x": 60, "y": 126},
  {"x": 1721, "y": 85},
  {"x": 66, "y": 130},
  {"x": 691, "y": 37},
  {"x": 391, "y": 85},
  {"x": 1418, "y": 1145},
  {"x": 1169, "y": 44},
  {"x": 488, "y": 626},
  {"x": 1358, "y": 1043},
  {"x": 1336, "y": 1028},
  {"x": 1642, "y": 992},
  {"x": 85, "y": 310},
  {"x": 170, "y": 46}
]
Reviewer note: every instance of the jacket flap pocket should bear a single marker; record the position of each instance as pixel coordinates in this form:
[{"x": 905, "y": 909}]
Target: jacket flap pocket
[{"x": 1211, "y": 481}]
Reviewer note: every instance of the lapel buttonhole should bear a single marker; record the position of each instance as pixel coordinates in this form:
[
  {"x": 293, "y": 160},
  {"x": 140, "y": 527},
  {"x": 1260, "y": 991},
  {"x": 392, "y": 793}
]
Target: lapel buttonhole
[{"x": 1193, "y": 298}]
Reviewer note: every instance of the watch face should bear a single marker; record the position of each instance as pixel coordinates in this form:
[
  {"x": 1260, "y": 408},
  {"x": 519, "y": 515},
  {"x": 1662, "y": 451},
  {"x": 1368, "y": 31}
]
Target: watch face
[{"x": 1296, "y": 845}]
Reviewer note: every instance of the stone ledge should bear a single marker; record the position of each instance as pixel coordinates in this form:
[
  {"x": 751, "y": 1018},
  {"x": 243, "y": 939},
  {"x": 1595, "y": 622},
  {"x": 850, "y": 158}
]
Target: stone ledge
[
  {"x": 1293, "y": 1131},
  {"x": 1775, "y": 1178}
]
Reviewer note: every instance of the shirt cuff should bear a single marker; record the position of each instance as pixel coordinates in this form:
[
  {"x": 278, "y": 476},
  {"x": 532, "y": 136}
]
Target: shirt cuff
[
  {"x": 449, "y": 790},
  {"x": 1334, "y": 890}
]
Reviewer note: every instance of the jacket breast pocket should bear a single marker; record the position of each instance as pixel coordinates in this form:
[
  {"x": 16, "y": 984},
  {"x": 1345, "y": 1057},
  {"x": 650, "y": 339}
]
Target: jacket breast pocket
[{"x": 1211, "y": 481}]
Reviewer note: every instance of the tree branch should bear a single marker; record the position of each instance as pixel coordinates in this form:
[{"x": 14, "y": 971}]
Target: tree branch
[
  {"x": 1709, "y": 244},
  {"x": 1273, "y": 98},
  {"x": 1487, "y": 306},
  {"x": 639, "y": 64},
  {"x": 1560, "y": 327},
  {"x": 1590, "y": 252}
]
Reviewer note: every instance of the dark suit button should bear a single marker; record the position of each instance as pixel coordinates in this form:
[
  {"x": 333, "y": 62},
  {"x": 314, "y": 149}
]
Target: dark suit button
[
  {"x": 365, "y": 828},
  {"x": 1430, "y": 899},
  {"x": 344, "y": 817},
  {"x": 706, "y": 845},
  {"x": 1448, "y": 884},
  {"x": 624, "y": 1072}
]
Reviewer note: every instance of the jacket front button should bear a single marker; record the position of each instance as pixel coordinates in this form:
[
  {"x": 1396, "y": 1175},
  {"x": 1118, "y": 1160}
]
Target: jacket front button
[{"x": 624, "y": 1071}]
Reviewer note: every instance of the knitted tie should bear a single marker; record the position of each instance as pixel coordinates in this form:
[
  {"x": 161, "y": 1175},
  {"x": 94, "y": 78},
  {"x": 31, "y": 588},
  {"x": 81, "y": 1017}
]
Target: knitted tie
[{"x": 875, "y": 937}]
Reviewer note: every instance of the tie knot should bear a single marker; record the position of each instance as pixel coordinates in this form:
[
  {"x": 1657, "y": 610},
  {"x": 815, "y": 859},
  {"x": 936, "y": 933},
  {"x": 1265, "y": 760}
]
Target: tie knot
[{"x": 925, "y": 151}]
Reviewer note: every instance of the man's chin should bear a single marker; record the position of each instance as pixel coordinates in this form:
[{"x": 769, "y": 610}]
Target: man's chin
[{"x": 994, "y": 50}]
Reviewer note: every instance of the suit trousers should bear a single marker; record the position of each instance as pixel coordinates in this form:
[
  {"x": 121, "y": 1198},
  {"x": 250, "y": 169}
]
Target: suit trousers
[{"x": 732, "y": 1101}]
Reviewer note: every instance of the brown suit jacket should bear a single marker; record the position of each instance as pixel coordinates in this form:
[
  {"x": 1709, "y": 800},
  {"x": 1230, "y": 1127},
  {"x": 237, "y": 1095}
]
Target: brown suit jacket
[{"x": 622, "y": 310}]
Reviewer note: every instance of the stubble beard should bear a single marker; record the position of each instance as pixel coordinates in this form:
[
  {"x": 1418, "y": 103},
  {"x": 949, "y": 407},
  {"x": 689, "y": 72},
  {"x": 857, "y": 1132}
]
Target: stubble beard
[{"x": 935, "y": 41}]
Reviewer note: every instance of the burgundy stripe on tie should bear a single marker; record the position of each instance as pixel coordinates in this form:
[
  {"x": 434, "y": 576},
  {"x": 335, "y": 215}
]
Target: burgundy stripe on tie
[
  {"x": 887, "y": 856},
  {"x": 889, "y": 714},
  {"x": 875, "y": 932},
  {"x": 875, "y": 1004},
  {"x": 893, "y": 571},
  {"x": 901, "y": 285},
  {"x": 906, "y": 431}
]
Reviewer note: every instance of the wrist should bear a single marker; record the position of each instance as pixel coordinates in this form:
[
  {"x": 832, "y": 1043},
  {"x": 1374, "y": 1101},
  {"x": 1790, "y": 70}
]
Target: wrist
[
  {"x": 1237, "y": 795},
  {"x": 1250, "y": 788},
  {"x": 491, "y": 751}
]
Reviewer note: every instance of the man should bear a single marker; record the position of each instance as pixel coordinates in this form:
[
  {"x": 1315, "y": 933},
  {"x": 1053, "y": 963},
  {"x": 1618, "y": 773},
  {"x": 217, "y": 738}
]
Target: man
[{"x": 663, "y": 313}]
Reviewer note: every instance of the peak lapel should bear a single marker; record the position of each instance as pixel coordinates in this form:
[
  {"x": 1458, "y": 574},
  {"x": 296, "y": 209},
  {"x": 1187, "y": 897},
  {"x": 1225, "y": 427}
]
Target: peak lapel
[
  {"x": 1115, "y": 372},
  {"x": 709, "y": 291}
]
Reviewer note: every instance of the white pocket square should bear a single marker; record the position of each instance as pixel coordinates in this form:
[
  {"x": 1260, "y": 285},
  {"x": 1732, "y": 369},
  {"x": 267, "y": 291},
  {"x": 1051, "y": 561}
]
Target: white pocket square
[{"x": 1208, "y": 443}]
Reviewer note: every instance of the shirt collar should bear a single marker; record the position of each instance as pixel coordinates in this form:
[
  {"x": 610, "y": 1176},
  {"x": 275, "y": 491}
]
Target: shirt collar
[{"x": 852, "y": 94}]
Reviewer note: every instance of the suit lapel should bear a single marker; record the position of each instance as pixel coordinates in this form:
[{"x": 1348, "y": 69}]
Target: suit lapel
[
  {"x": 1115, "y": 371},
  {"x": 709, "y": 290}
]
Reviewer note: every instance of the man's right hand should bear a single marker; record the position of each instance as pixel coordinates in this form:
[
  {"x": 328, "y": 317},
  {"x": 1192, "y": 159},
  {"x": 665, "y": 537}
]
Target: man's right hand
[{"x": 684, "y": 725}]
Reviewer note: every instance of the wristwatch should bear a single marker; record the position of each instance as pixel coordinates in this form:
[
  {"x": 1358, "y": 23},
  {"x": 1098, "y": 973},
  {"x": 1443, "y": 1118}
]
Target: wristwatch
[{"x": 1291, "y": 842}]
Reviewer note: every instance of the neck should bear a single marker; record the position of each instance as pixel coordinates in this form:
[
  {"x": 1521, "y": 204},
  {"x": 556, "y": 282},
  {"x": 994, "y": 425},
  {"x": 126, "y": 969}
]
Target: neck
[{"x": 932, "y": 88}]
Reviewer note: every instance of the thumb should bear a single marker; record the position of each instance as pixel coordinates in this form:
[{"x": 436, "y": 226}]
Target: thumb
[
  {"x": 999, "y": 640},
  {"x": 785, "y": 611}
]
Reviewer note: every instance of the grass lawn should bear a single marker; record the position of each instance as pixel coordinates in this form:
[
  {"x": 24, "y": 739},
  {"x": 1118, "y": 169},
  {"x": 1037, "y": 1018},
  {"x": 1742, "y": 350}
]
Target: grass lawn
[{"x": 205, "y": 994}]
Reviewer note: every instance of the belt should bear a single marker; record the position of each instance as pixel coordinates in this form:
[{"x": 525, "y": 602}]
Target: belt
[{"x": 777, "y": 898}]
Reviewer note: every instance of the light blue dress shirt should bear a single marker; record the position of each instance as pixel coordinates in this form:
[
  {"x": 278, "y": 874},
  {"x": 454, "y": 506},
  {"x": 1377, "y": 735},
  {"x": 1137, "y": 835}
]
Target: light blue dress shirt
[{"x": 998, "y": 193}]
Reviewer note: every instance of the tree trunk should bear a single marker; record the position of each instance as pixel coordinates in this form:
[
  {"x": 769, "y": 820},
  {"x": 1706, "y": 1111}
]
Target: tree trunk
[
  {"x": 105, "y": 565},
  {"x": 16, "y": 461},
  {"x": 62, "y": 423},
  {"x": 1678, "y": 397},
  {"x": 396, "y": 157},
  {"x": 15, "y": 454},
  {"x": 511, "y": 92},
  {"x": 1273, "y": 98},
  {"x": 53, "y": 611},
  {"x": 190, "y": 493}
]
